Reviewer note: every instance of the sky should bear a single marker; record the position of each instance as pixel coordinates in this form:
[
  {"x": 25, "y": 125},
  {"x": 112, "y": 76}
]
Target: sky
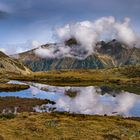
[{"x": 27, "y": 22}]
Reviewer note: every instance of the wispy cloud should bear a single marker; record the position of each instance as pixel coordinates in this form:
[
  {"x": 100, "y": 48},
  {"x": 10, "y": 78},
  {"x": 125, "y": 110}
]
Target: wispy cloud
[{"x": 3, "y": 14}]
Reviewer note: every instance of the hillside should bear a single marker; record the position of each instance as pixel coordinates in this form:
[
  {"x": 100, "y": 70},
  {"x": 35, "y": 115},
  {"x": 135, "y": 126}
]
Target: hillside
[
  {"x": 109, "y": 54},
  {"x": 9, "y": 66},
  {"x": 91, "y": 62},
  {"x": 120, "y": 53}
]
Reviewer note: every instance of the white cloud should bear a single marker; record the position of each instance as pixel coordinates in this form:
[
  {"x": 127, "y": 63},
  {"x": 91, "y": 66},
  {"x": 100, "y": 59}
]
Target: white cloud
[
  {"x": 88, "y": 33},
  {"x": 19, "y": 47},
  {"x": 125, "y": 33},
  {"x": 3, "y": 50}
]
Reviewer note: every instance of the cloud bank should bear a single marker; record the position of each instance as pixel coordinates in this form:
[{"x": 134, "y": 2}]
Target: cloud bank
[{"x": 87, "y": 34}]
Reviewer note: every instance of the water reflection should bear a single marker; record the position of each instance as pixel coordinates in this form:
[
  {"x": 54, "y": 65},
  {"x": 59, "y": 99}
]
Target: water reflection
[
  {"x": 94, "y": 100},
  {"x": 89, "y": 102},
  {"x": 83, "y": 100}
]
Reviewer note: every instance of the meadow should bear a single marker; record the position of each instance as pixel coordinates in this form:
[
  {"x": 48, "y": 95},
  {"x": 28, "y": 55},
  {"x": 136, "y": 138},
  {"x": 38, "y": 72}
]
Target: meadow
[
  {"x": 64, "y": 126},
  {"x": 29, "y": 125}
]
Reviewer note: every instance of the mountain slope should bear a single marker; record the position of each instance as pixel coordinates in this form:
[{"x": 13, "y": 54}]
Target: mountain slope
[
  {"x": 109, "y": 54},
  {"x": 43, "y": 64},
  {"x": 121, "y": 54},
  {"x": 10, "y": 65}
]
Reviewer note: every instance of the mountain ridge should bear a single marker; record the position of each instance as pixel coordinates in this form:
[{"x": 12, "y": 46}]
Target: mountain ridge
[{"x": 109, "y": 54}]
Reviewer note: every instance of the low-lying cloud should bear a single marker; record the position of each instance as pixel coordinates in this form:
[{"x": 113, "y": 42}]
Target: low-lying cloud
[
  {"x": 87, "y": 34},
  {"x": 19, "y": 47}
]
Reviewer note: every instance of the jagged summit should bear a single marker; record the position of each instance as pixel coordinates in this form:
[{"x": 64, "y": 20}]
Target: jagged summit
[{"x": 107, "y": 54}]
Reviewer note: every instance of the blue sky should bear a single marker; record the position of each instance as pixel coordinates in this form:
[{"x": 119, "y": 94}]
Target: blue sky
[{"x": 22, "y": 21}]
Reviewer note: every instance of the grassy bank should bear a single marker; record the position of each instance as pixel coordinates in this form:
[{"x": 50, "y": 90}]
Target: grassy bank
[
  {"x": 22, "y": 104},
  {"x": 42, "y": 126},
  {"x": 115, "y": 78},
  {"x": 13, "y": 87}
]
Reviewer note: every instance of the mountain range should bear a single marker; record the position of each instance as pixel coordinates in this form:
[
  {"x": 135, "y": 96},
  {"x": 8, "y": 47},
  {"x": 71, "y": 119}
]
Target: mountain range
[{"x": 110, "y": 54}]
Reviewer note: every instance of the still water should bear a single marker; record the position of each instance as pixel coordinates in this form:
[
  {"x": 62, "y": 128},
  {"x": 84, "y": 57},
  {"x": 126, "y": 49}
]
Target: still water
[{"x": 83, "y": 100}]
